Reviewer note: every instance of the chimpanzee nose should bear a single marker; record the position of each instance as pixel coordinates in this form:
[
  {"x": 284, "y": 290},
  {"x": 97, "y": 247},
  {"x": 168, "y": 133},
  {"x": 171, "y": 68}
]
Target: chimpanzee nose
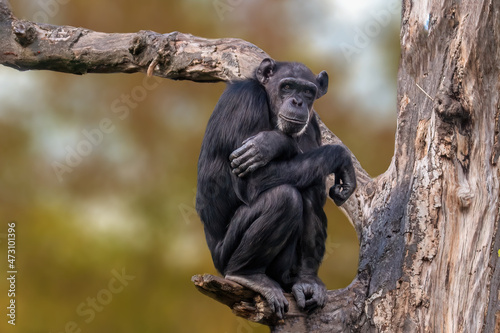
[{"x": 296, "y": 102}]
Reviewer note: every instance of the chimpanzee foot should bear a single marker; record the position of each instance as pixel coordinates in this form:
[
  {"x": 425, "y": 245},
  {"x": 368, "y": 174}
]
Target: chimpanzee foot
[
  {"x": 309, "y": 292},
  {"x": 267, "y": 287}
]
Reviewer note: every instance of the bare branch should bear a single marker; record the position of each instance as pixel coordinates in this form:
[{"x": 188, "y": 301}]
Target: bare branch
[
  {"x": 342, "y": 311},
  {"x": 26, "y": 45},
  {"x": 244, "y": 302}
]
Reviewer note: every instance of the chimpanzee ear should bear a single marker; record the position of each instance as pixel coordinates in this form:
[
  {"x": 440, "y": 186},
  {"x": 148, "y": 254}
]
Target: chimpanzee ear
[
  {"x": 265, "y": 70},
  {"x": 322, "y": 79}
]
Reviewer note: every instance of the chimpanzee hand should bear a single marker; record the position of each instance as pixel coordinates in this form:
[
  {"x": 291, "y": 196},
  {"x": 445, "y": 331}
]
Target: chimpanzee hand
[
  {"x": 309, "y": 292},
  {"x": 259, "y": 150},
  {"x": 345, "y": 183}
]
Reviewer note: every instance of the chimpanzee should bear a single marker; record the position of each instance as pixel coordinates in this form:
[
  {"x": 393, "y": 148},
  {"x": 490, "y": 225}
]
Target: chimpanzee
[{"x": 261, "y": 184}]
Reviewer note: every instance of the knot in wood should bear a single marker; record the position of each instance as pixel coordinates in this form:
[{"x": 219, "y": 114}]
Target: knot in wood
[
  {"x": 449, "y": 109},
  {"x": 25, "y": 32},
  {"x": 465, "y": 196},
  {"x": 139, "y": 43}
]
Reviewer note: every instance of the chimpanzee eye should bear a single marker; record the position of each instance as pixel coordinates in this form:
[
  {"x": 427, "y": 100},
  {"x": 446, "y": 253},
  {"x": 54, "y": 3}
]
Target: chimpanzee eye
[
  {"x": 309, "y": 93},
  {"x": 286, "y": 87}
]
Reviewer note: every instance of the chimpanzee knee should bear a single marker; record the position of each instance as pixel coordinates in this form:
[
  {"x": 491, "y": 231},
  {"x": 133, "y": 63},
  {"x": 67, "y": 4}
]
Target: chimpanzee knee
[{"x": 287, "y": 200}]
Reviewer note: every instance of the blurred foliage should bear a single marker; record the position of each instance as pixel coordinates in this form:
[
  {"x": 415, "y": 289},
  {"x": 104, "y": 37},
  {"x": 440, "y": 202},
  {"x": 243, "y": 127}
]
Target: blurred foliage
[{"x": 130, "y": 203}]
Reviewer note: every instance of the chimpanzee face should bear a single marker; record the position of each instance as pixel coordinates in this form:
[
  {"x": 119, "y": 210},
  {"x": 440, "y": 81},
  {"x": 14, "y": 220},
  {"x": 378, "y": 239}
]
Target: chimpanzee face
[{"x": 292, "y": 89}]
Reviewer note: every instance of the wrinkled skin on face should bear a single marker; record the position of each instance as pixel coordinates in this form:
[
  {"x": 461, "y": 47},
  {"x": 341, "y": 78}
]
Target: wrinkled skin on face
[{"x": 292, "y": 90}]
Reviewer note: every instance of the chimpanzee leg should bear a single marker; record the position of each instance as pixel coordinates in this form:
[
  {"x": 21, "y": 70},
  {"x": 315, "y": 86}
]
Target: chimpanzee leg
[
  {"x": 304, "y": 257},
  {"x": 312, "y": 242},
  {"x": 257, "y": 235},
  {"x": 308, "y": 289},
  {"x": 284, "y": 267}
]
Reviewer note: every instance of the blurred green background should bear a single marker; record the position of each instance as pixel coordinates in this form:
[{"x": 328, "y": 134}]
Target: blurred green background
[{"x": 128, "y": 207}]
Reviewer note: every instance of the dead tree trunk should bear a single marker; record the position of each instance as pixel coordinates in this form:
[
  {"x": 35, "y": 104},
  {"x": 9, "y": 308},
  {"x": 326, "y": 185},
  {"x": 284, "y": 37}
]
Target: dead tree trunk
[
  {"x": 432, "y": 225},
  {"x": 430, "y": 231},
  {"x": 428, "y": 227}
]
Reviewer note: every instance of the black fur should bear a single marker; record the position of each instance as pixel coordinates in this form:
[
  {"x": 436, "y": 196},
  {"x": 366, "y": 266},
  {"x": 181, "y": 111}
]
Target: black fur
[{"x": 261, "y": 176}]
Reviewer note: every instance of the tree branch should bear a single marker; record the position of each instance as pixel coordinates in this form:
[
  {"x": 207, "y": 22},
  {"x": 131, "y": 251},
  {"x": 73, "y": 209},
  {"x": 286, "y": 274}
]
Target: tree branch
[
  {"x": 343, "y": 308},
  {"x": 244, "y": 302},
  {"x": 26, "y": 45}
]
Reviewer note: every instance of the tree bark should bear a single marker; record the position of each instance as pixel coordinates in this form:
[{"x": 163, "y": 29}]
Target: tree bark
[
  {"x": 428, "y": 227},
  {"x": 27, "y": 45},
  {"x": 446, "y": 235}
]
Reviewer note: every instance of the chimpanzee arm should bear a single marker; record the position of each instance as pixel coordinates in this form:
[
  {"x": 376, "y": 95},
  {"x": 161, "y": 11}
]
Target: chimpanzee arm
[
  {"x": 307, "y": 169},
  {"x": 242, "y": 111},
  {"x": 258, "y": 150}
]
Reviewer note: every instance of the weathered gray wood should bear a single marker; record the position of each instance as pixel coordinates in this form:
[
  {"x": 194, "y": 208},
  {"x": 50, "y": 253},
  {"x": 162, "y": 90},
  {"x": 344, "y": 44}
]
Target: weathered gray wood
[
  {"x": 428, "y": 227},
  {"x": 433, "y": 224},
  {"x": 243, "y": 301},
  {"x": 26, "y": 45},
  {"x": 342, "y": 311}
]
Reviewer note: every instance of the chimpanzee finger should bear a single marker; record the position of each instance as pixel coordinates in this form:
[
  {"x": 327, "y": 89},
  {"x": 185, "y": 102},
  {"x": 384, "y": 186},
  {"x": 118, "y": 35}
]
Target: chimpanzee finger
[
  {"x": 247, "y": 171},
  {"x": 272, "y": 305},
  {"x": 337, "y": 194},
  {"x": 238, "y": 152},
  {"x": 322, "y": 299},
  {"x": 320, "y": 294},
  {"x": 300, "y": 298},
  {"x": 242, "y": 169},
  {"x": 311, "y": 305},
  {"x": 347, "y": 190},
  {"x": 244, "y": 157},
  {"x": 279, "y": 311},
  {"x": 276, "y": 306},
  {"x": 250, "y": 166},
  {"x": 244, "y": 149},
  {"x": 283, "y": 307}
]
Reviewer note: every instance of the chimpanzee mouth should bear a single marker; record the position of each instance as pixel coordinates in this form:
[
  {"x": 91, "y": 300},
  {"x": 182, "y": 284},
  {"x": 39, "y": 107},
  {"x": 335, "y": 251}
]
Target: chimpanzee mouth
[
  {"x": 291, "y": 126},
  {"x": 292, "y": 120}
]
